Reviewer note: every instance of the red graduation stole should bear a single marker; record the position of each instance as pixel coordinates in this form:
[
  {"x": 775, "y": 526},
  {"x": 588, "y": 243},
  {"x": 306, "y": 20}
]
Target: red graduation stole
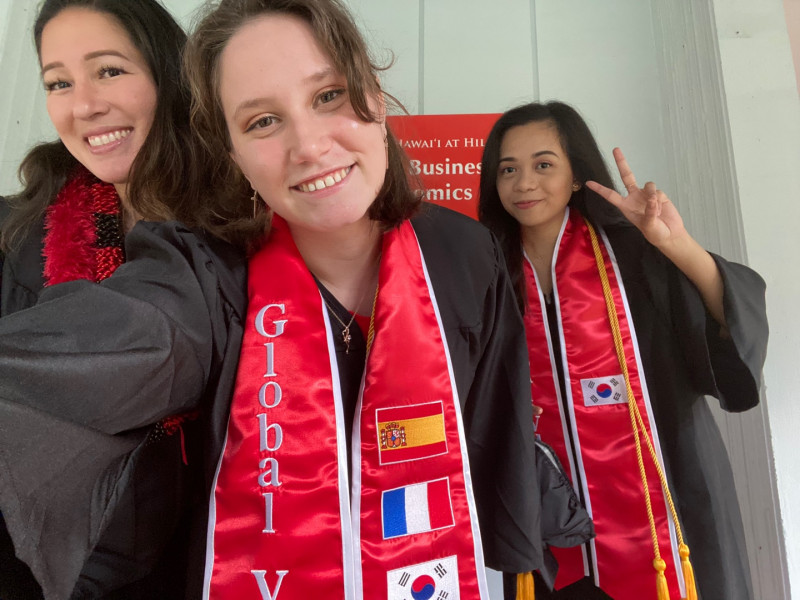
[
  {"x": 282, "y": 525},
  {"x": 591, "y": 430}
]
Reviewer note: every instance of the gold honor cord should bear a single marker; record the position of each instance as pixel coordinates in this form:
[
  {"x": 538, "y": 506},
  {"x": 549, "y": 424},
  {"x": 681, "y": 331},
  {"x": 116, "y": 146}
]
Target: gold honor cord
[
  {"x": 637, "y": 424},
  {"x": 371, "y": 331}
]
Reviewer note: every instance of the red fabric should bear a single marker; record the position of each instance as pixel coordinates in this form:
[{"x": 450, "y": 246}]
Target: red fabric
[
  {"x": 607, "y": 471},
  {"x": 71, "y": 251},
  {"x": 70, "y": 241},
  {"x": 281, "y": 520},
  {"x": 409, "y": 340}
]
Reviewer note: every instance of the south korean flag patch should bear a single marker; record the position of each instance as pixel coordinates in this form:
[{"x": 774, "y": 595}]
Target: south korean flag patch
[
  {"x": 602, "y": 391},
  {"x": 433, "y": 580}
]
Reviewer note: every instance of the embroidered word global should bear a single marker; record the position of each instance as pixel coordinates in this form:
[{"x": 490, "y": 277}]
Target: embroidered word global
[{"x": 269, "y": 396}]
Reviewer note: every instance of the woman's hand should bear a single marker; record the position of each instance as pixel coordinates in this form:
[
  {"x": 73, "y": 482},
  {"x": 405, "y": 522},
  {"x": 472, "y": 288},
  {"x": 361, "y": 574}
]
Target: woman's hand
[
  {"x": 648, "y": 208},
  {"x": 656, "y": 217}
]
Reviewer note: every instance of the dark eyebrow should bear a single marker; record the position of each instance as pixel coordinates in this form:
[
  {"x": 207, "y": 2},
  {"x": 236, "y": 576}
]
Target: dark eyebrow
[
  {"x": 256, "y": 102},
  {"x": 89, "y": 56},
  {"x": 322, "y": 74},
  {"x": 535, "y": 155},
  {"x": 247, "y": 105}
]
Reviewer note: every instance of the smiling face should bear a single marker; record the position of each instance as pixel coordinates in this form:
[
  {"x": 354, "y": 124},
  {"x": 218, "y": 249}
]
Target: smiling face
[
  {"x": 534, "y": 176},
  {"x": 101, "y": 96},
  {"x": 293, "y": 132}
]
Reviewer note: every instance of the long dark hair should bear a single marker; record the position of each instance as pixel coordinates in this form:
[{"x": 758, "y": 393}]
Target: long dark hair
[
  {"x": 337, "y": 34},
  {"x": 587, "y": 164},
  {"x": 168, "y": 173}
]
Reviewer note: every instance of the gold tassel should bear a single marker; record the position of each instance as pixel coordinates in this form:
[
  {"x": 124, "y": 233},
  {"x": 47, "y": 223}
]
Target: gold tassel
[
  {"x": 661, "y": 579},
  {"x": 525, "y": 586},
  {"x": 688, "y": 573}
]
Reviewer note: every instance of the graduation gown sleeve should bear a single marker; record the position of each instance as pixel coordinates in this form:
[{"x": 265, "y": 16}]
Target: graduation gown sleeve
[
  {"x": 21, "y": 276},
  {"x": 726, "y": 366},
  {"x": 686, "y": 358},
  {"x": 84, "y": 374},
  {"x": 498, "y": 420},
  {"x": 737, "y": 360}
]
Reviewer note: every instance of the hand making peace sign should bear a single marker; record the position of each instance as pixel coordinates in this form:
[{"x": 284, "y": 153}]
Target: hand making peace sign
[{"x": 648, "y": 208}]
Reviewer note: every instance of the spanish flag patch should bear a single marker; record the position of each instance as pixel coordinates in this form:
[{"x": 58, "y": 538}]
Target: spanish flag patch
[{"x": 410, "y": 432}]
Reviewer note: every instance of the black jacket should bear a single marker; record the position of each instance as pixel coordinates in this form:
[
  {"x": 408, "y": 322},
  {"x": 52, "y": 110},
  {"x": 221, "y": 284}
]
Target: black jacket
[{"x": 172, "y": 316}]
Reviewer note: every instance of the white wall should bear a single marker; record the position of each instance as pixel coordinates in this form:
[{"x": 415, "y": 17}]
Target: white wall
[
  {"x": 792, "y": 10},
  {"x": 23, "y": 118},
  {"x": 764, "y": 112},
  {"x": 483, "y": 61}
]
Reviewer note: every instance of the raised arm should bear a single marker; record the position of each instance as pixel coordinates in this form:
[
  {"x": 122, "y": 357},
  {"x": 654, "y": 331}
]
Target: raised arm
[
  {"x": 84, "y": 374},
  {"x": 654, "y": 214}
]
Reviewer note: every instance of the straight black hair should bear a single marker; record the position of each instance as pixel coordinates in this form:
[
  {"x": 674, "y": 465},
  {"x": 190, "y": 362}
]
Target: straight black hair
[{"x": 587, "y": 164}]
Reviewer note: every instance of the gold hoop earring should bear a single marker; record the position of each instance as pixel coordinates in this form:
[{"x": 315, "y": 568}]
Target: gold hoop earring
[
  {"x": 576, "y": 186},
  {"x": 386, "y": 146},
  {"x": 255, "y": 202}
]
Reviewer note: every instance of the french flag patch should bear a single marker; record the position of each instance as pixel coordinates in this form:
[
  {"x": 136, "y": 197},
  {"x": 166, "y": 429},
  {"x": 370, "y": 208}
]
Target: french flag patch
[{"x": 417, "y": 508}]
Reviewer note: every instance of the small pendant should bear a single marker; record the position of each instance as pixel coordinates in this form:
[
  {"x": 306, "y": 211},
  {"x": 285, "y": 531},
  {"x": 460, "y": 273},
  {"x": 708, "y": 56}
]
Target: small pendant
[{"x": 346, "y": 337}]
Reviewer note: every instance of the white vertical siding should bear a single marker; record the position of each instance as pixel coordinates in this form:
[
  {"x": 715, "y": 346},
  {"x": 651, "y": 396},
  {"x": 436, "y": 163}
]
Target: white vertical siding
[
  {"x": 600, "y": 57},
  {"x": 699, "y": 148},
  {"x": 23, "y": 117},
  {"x": 478, "y": 55},
  {"x": 393, "y": 31},
  {"x": 764, "y": 114}
]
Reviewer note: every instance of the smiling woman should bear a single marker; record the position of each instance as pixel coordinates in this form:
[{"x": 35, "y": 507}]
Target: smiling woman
[
  {"x": 390, "y": 334},
  {"x": 121, "y": 80},
  {"x": 101, "y": 375},
  {"x": 101, "y": 96},
  {"x": 615, "y": 293},
  {"x": 294, "y": 131}
]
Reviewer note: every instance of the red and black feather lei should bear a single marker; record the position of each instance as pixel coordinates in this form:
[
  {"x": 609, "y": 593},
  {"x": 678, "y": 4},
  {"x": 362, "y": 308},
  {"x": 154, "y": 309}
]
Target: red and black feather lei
[
  {"x": 83, "y": 231},
  {"x": 84, "y": 240}
]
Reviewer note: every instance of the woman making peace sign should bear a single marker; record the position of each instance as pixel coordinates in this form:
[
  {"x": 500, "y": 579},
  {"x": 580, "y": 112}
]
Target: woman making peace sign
[{"x": 629, "y": 324}]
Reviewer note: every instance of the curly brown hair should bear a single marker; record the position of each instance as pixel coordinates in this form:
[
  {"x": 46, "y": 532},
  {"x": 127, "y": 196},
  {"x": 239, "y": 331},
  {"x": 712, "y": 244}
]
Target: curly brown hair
[{"x": 339, "y": 37}]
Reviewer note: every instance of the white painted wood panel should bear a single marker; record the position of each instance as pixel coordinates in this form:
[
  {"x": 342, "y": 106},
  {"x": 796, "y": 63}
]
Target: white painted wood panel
[
  {"x": 478, "y": 55},
  {"x": 23, "y": 117},
  {"x": 699, "y": 148},
  {"x": 764, "y": 114},
  {"x": 393, "y": 30},
  {"x": 600, "y": 57}
]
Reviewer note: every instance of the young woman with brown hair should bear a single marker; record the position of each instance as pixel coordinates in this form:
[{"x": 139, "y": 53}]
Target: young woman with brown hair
[{"x": 391, "y": 416}]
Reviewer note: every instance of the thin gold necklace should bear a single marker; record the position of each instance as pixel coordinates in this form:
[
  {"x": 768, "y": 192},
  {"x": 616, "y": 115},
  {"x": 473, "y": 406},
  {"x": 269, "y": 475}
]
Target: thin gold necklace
[{"x": 346, "y": 337}]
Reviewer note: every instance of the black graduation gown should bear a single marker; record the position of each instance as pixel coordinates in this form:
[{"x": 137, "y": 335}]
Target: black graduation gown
[
  {"x": 175, "y": 355},
  {"x": 685, "y": 359},
  {"x": 97, "y": 500},
  {"x": 483, "y": 330},
  {"x": 485, "y": 338}
]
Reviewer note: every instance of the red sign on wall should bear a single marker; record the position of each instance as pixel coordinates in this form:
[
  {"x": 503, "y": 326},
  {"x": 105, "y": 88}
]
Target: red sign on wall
[{"x": 445, "y": 152}]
